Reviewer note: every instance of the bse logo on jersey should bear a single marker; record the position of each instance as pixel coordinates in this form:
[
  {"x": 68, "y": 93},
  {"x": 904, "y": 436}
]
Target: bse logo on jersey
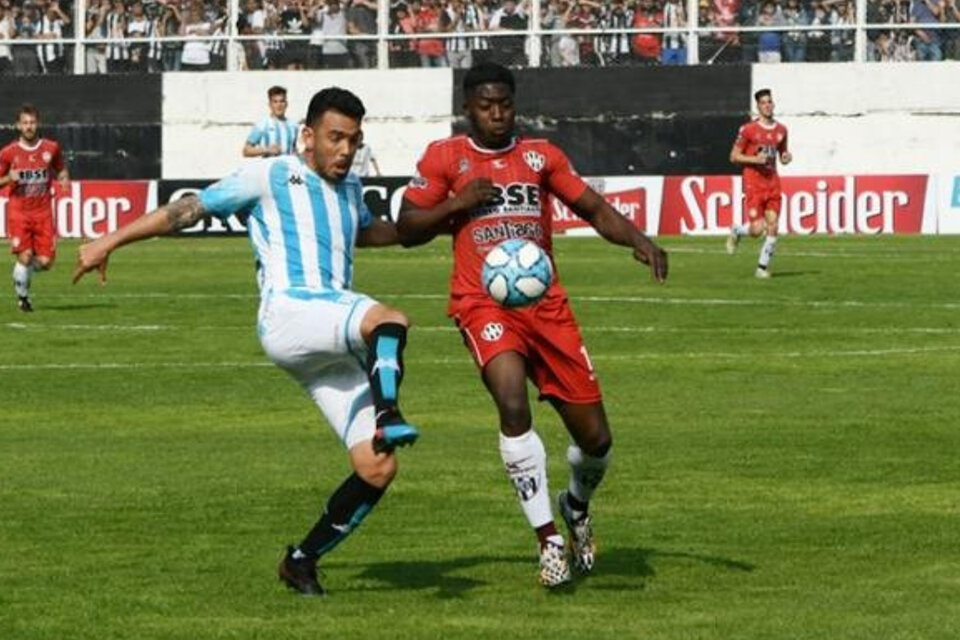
[
  {"x": 534, "y": 160},
  {"x": 516, "y": 198},
  {"x": 492, "y": 332}
]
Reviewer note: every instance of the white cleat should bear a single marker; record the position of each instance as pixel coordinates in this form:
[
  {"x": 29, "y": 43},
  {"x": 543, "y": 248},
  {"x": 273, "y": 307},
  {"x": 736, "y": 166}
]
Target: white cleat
[
  {"x": 582, "y": 547},
  {"x": 554, "y": 568},
  {"x": 762, "y": 273},
  {"x": 732, "y": 241}
]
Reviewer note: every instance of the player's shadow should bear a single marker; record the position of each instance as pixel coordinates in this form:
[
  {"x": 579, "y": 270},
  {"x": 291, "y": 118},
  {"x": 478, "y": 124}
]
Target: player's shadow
[
  {"x": 439, "y": 576},
  {"x": 794, "y": 274},
  {"x": 78, "y": 307},
  {"x": 640, "y": 564}
]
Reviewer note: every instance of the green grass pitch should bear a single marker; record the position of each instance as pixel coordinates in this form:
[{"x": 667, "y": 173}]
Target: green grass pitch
[{"x": 786, "y": 455}]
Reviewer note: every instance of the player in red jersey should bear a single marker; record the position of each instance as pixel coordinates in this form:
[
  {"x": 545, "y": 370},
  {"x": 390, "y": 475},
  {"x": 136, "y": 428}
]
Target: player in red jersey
[
  {"x": 30, "y": 165},
  {"x": 756, "y": 149},
  {"x": 484, "y": 188}
]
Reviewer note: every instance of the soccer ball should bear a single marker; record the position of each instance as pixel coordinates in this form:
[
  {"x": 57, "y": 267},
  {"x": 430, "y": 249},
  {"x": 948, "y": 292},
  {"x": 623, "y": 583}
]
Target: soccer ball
[{"x": 517, "y": 273}]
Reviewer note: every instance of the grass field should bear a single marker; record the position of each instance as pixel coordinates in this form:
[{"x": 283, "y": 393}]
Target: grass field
[{"x": 786, "y": 455}]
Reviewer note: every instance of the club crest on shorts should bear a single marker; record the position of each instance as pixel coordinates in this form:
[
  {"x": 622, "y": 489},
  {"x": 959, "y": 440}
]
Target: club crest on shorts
[
  {"x": 492, "y": 332},
  {"x": 534, "y": 160}
]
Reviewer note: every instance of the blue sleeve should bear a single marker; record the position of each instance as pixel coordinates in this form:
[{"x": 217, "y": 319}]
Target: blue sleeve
[
  {"x": 365, "y": 216},
  {"x": 256, "y": 135},
  {"x": 237, "y": 192}
]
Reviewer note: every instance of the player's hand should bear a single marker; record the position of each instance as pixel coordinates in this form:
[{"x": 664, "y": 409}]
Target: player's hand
[
  {"x": 478, "y": 191},
  {"x": 762, "y": 157},
  {"x": 90, "y": 256},
  {"x": 786, "y": 157},
  {"x": 14, "y": 175},
  {"x": 273, "y": 150},
  {"x": 656, "y": 258}
]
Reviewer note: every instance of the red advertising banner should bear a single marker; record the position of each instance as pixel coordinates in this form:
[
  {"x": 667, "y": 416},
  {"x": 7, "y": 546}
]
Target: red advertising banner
[
  {"x": 91, "y": 208},
  {"x": 810, "y": 204}
]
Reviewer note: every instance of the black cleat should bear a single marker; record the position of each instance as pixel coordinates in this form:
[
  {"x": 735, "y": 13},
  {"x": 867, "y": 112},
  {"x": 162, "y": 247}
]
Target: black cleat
[
  {"x": 23, "y": 303},
  {"x": 300, "y": 575}
]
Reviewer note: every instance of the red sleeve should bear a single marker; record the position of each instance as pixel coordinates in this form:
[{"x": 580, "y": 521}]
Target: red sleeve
[
  {"x": 4, "y": 161},
  {"x": 430, "y": 186},
  {"x": 56, "y": 163},
  {"x": 782, "y": 147},
  {"x": 562, "y": 180},
  {"x": 741, "y": 141}
]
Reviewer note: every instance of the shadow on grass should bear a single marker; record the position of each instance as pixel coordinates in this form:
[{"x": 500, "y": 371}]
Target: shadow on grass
[
  {"x": 77, "y": 307},
  {"x": 793, "y": 274},
  {"x": 639, "y": 563},
  {"x": 435, "y": 575}
]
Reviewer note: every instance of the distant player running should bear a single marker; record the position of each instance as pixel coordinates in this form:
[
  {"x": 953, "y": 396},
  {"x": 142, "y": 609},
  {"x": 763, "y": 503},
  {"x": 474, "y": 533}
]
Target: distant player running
[
  {"x": 491, "y": 186},
  {"x": 344, "y": 348},
  {"x": 30, "y": 165},
  {"x": 756, "y": 149}
]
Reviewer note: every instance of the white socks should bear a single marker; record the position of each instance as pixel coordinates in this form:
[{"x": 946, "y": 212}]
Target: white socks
[
  {"x": 21, "y": 279},
  {"x": 586, "y": 472},
  {"x": 766, "y": 252},
  {"x": 525, "y": 460}
]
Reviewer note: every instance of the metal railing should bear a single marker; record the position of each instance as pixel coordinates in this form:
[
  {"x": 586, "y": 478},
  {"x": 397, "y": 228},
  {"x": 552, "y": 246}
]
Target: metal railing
[{"x": 533, "y": 38}]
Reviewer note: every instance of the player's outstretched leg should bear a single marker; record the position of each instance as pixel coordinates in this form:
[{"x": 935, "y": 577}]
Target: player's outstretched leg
[
  {"x": 352, "y": 501},
  {"x": 525, "y": 461},
  {"x": 385, "y": 331},
  {"x": 588, "y": 458}
]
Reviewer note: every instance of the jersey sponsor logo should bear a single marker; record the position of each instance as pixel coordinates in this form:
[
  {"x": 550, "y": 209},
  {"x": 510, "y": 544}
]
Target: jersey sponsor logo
[
  {"x": 534, "y": 160},
  {"x": 516, "y": 198},
  {"x": 492, "y": 332},
  {"x": 497, "y": 232}
]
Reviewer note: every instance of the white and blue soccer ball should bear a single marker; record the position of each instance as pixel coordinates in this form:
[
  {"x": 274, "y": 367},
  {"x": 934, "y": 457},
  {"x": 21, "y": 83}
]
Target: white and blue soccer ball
[{"x": 517, "y": 273}]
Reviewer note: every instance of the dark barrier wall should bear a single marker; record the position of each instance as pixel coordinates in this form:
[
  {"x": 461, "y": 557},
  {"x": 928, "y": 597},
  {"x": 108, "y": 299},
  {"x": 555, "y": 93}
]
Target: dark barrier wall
[
  {"x": 109, "y": 126},
  {"x": 634, "y": 120}
]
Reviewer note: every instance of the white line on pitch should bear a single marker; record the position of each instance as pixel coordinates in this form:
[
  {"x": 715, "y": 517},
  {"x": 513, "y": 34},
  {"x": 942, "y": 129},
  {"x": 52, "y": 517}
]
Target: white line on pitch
[{"x": 746, "y": 355}]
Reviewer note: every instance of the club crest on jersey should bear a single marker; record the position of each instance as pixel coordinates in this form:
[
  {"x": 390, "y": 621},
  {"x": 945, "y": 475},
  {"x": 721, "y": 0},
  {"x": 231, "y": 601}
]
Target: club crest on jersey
[
  {"x": 464, "y": 166},
  {"x": 534, "y": 160},
  {"x": 46, "y": 156},
  {"x": 492, "y": 332}
]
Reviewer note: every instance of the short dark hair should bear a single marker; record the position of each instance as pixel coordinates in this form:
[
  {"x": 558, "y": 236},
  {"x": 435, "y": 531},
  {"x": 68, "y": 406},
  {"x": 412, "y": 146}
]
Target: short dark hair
[
  {"x": 488, "y": 73},
  {"x": 276, "y": 90},
  {"x": 762, "y": 93},
  {"x": 29, "y": 109},
  {"x": 336, "y": 99}
]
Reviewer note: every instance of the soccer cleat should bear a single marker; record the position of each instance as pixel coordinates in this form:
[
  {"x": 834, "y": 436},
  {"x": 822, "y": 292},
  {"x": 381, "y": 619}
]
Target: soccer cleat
[
  {"x": 300, "y": 575},
  {"x": 23, "y": 303},
  {"x": 389, "y": 437},
  {"x": 554, "y": 568},
  {"x": 762, "y": 273},
  {"x": 582, "y": 547},
  {"x": 732, "y": 241}
]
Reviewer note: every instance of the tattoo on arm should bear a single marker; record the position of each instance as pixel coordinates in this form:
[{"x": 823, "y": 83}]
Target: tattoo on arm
[{"x": 184, "y": 212}]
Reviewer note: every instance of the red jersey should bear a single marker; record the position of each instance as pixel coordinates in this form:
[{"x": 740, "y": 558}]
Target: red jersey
[
  {"x": 39, "y": 166},
  {"x": 523, "y": 174},
  {"x": 753, "y": 137}
]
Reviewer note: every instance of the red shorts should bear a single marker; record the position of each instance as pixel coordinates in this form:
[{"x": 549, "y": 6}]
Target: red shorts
[
  {"x": 760, "y": 199},
  {"x": 546, "y": 334},
  {"x": 32, "y": 232}
]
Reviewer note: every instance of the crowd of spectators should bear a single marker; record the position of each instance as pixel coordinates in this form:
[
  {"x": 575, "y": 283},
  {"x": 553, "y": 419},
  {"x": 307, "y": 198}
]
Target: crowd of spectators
[{"x": 179, "y": 35}]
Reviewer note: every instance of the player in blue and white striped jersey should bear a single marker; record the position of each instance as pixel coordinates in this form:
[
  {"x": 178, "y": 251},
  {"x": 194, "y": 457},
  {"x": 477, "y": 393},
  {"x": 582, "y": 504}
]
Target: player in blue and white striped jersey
[
  {"x": 344, "y": 348},
  {"x": 274, "y": 135}
]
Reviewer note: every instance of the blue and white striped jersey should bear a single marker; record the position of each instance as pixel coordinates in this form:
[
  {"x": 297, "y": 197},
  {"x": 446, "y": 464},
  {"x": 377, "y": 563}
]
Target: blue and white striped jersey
[
  {"x": 272, "y": 131},
  {"x": 303, "y": 228}
]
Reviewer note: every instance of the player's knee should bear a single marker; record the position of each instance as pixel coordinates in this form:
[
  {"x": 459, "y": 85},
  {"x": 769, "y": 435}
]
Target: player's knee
[
  {"x": 379, "y": 470},
  {"x": 42, "y": 263},
  {"x": 515, "y": 417},
  {"x": 598, "y": 447}
]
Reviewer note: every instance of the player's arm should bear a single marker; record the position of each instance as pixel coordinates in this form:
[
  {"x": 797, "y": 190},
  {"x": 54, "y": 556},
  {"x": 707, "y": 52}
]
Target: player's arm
[
  {"x": 737, "y": 155},
  {"x": 8, "y": 173},
  {"x": 180, "y": 214},
  {"x": 565, "y": 184},
  {"x": 616, "y": 229},
  {"x": 419, "y": 225},
  {"x": 785, "y": 156},
  {"x": 252, "y": 147}
]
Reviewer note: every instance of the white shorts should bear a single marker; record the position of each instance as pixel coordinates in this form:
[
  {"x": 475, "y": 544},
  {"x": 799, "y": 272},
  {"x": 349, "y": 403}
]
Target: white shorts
[{"x": 315, "y": 337}]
